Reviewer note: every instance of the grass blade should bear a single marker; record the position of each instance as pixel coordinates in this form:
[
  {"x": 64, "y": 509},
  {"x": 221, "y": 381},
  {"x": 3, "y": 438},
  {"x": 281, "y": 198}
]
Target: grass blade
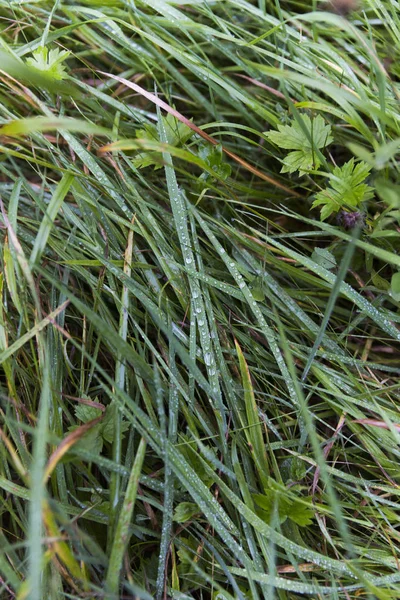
[{"x": 121, "y": 538}]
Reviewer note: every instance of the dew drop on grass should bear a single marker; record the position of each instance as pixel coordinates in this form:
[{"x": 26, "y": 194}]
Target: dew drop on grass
[{"x": 208, "y": 358}]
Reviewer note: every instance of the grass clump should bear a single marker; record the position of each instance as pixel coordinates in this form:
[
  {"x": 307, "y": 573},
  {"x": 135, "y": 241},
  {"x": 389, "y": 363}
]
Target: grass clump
[{"x": 199, "y": 300}]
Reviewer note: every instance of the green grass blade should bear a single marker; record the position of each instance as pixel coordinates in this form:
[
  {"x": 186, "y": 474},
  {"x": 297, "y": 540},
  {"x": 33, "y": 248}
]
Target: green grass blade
[{"x": 121, "y": 538}]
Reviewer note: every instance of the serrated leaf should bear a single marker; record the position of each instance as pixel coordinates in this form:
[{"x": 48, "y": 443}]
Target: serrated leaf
[
  {"x": 92, "y": 441},
  {"x": 300, "y": 161},
  {"x": 324, "y": 258},
  {"x": 214, "y": 157},
  {"x": 347, "y": 189},
  {"x": 293, "y": 469},
  {"x": 185, "y": 511},
  {"x": 298, "y": 469},
  {"x": 107, "y": 429},
  {"x": 86, "y": 413},
  {"x": 296, "y": 510},
  {"x": 293, "y": 137},
  {"x": 300, "y": 513},
  {"x": 48, "y": 62},
  {"x": 271, "y": 501},
  {"x": 177, "y": 134}
]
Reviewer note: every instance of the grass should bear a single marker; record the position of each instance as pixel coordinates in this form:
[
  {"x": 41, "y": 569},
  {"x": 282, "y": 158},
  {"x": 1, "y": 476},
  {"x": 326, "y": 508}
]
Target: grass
[{"x": 199, "y": 385}]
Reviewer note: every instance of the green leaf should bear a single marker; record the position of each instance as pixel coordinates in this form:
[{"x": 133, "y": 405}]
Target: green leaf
[
  {"x": 177, "y": 134},
  {"x": 293, "y": 137},
  {"x": 298, "y": 469},
  {"x": 388, "y": 192},
  {"x": 293, "y": 469},
  {"x": 347, "y": 189},
  {"x": 184, "y": 552},
  {"x": 91, "y": 441},
  {"x": 107, "y": 429},
  {"x": 185, "y": 511},
  {"x": 270, "y": 501},
  {"x": 300, "y": 161},
  {"x": 380, "y": 282},
  {"x": 49, "y": 62},
  {"x": 274, "y": 499},
  {"x": 86, "y": 413},
  {"x": 324, "y": 258},
  {"x": 213, "y": 156},
  {"x": 257, "y": 292},
  {"x": 300, "y": 513},
  {"x": 104, "y": 507},
  {"x": 395, "y": 286}
]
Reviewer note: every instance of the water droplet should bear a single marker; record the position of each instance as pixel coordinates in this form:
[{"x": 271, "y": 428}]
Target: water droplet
[
  {"x": 188, "y": 260},
  {"x": 208, "y": 358}
]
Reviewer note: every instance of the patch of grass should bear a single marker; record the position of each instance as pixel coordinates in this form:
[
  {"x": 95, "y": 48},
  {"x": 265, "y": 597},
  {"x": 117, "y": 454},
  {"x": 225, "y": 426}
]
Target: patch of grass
[{"x": 199, "y": 377}]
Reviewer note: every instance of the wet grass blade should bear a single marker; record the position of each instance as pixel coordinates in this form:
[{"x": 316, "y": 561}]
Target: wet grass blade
[{"x": 121, "y": 537}]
